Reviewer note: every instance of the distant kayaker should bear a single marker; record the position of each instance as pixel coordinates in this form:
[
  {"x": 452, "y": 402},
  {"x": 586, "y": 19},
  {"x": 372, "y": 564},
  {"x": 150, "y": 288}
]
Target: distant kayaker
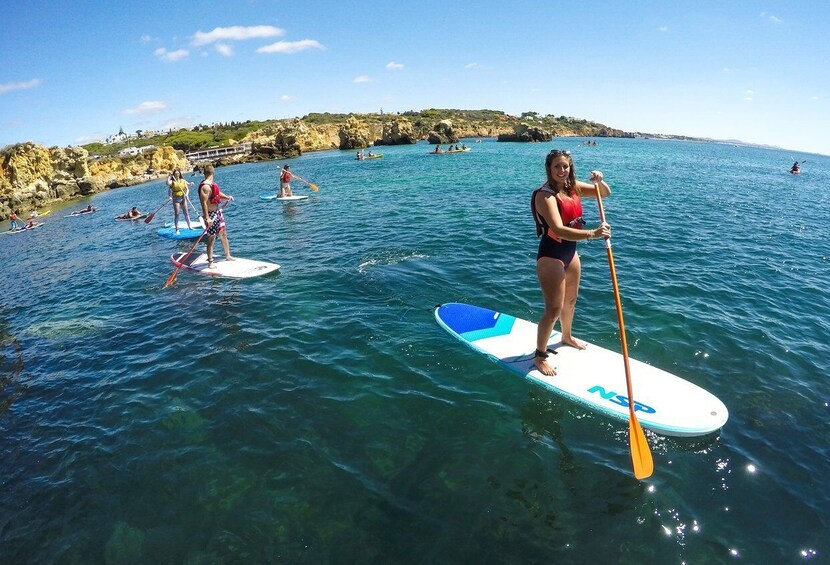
[
  {"x": 796, "y": 168},
  {"x": 557, "y": 211},
  {"x": 210, "y": 196},
  {"x": 285, "y": 180}
]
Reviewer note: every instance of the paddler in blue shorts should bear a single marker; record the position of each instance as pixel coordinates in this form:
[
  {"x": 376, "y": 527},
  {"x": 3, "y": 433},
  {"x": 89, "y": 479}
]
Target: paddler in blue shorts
[
  {"x": 178, "y": 191},
  {"x": 210, "y": 196}
]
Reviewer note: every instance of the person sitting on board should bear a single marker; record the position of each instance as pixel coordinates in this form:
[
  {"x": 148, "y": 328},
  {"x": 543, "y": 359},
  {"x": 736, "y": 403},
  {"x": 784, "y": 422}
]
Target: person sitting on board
[
  {"x": 29, "y": 224},
  {"x": 285, "y": 179},
  {"x": 210, "y": 196},
  {"x": 557, "y": 211},
  {"x": 360, "y": 155},
  {"x": 178, "y": 191},
  {"x": 438, "y": 149},
  {"x": 371, "y": 154},
  {"x": 796, "y": 168},
  {"x": 13, "y": 219},
  {"x": 133, "y": 213}
]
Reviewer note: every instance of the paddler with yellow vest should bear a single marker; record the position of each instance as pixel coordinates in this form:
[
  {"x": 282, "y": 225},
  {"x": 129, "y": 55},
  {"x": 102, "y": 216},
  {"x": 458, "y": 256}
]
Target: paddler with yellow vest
[{"x": 178, "y": 191}]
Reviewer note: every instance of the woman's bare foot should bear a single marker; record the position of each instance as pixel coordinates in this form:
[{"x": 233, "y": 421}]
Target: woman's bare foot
[
  {"x": 229, "y": 258},
  {"x": 543, "y": 367},
  {"x": 573, "y": 342}
]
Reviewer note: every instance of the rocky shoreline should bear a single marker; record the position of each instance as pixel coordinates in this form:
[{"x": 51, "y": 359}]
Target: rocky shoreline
[{"x": 33, "y": 176}]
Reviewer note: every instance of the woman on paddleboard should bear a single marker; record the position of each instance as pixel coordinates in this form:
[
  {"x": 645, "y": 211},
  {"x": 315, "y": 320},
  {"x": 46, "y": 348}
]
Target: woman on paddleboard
[
  {"x": 285, "y": 179},
  {"x": 210, "y": 196},
  {"x": 557, "y": 211},
  {"x": 178, "y": 191}
]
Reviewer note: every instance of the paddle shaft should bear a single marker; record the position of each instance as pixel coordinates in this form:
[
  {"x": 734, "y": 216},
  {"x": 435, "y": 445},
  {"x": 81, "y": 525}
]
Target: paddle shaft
[
  {"x": 640, "y": 452},
  {"x": 314, "y": 187},
  {"x": 149, "y": 218}
]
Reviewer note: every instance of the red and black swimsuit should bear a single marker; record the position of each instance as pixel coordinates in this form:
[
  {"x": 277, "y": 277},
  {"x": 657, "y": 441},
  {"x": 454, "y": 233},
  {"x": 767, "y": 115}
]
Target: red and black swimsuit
[{"x": 570, "y": 209}]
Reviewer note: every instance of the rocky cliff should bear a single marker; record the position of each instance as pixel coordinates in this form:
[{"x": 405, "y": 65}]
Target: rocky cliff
[{"x": 32, "y": 176}]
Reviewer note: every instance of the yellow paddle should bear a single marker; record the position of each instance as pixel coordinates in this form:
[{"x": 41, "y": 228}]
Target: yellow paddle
[
  {"x": 314, "y": 187},
  {"x": 640, "y": 452}
]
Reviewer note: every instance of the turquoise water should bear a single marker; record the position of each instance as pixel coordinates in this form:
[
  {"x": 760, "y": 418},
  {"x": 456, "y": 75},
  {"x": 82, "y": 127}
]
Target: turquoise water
[{"x": 321, "y": 415}]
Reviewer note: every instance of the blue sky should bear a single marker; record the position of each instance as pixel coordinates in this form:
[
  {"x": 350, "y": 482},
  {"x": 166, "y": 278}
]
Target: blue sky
[{"x": 74, "y": 72}]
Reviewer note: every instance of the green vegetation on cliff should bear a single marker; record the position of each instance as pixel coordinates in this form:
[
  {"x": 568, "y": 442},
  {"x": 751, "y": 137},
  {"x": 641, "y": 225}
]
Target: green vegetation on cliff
[
  {"x": 213, "y": 135},
  {"x": 187, "y": 140}
]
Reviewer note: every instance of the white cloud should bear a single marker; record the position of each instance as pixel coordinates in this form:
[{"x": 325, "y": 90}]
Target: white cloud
[
  {"x": 393, "y": 66},
  {"x": 147, "y": 38},
  {"x": 288, "y": 47},
  {"x": 148, "y": 107},
  {"x": 663, "y": 29},
  {"x": 12, "y": 124},
  {"x": 182, "y": 122},
  {"x": 813, "y": 97},
  {"x": 770, "y": 18},
  {"x": 84, "y": 139},
  {"x": 9, "y": 86},
  {"x": 726, "y": 70},
  {"x": 235, "y": 33},
  {"x": 170, "y": 56},
  {"x": 477, "y": 67},
  {"x": 362, "y": 78},
  {"x": 749, "y": 95},
  {"x": 224, "y": 49},
  {"x": 286, "y": 97}
]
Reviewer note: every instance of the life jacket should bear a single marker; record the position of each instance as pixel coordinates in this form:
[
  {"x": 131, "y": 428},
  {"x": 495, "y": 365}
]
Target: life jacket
[
  {"x": 179, "y": 186},
  {"x": 214, "y": 197},
  {"x": 570, "y": 210},
  {"x": 286, "y": 176}
]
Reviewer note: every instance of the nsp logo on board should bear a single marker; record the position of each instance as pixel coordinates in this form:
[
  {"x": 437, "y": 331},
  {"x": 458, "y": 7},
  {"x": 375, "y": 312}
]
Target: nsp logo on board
[{"x": 621, "y": 400}]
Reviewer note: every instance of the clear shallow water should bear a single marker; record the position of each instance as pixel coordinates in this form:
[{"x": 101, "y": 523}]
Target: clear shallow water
[{"x": 320, "y": 414}]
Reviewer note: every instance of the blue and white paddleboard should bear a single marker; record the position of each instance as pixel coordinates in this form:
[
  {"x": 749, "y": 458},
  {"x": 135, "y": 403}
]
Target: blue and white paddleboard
[
  {"x": 268, "y": 196},
  {"x": 593, "y": 377},
  {"x": 169, "y": 230}
]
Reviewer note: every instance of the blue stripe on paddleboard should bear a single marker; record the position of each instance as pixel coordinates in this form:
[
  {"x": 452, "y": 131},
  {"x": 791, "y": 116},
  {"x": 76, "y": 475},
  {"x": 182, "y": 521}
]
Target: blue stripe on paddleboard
[
  {"x": 504, "y": 324},
  {"x": 463, "y": 318}
]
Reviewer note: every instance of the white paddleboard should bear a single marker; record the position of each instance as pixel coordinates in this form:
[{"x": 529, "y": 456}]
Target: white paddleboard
[
  {"x": 594, "y": 377},
  {"x": 239, "y": 268},
  {"x": 292, "y": 198}
]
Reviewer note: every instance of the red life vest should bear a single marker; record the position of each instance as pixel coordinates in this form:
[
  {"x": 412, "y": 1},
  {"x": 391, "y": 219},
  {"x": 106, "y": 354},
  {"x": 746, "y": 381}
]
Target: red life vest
[
  {"x": 570, "y": 210},
  {"x": 214, "y": 197},
  {"x": 286, "y": 176}
]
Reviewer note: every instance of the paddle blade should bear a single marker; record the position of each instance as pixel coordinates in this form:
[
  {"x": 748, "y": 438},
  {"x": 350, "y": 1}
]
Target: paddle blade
[
  {"x": 314, "y": 187},
  {"x": 149, "y": 218},
  {"x": 172, "y": 278},
  {"x": 640, "y": 451}
]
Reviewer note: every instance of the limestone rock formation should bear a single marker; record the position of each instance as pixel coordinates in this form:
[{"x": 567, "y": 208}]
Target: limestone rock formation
[
  {"x": 291, "y": 138},
  {"x": 442, "y": 133},
  {"x": 32, "y": 175},
  {"x": 353, "y": 134},
  {"x": 526, "y": 133},
  {"x": 397, "y": 132}
]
